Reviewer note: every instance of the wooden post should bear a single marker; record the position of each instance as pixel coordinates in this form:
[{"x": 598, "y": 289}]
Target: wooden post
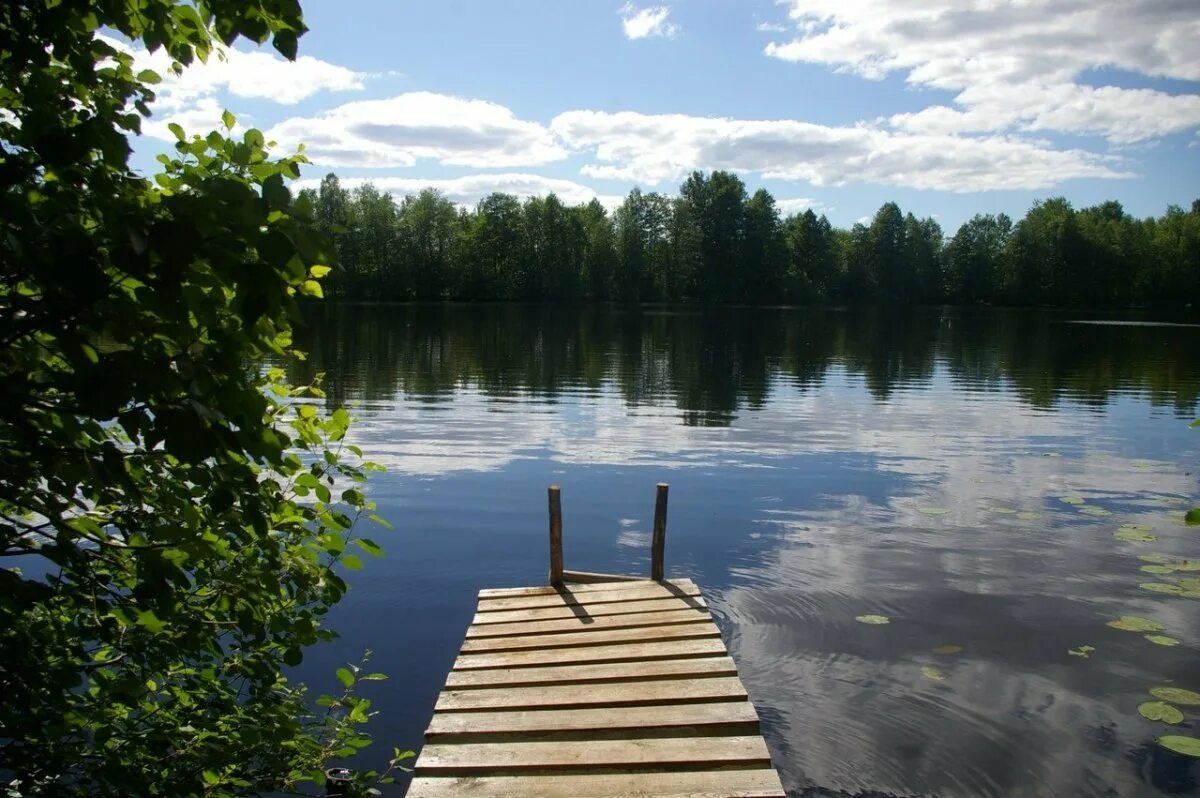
[
  {"x": 556, "y": 551},
  {"x": 659, "y": 541}
]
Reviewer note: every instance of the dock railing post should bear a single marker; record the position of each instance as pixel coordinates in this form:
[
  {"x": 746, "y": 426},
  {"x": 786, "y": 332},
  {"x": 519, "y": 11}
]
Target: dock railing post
[
  {"x": 659, "y": 542},
  {"x": 556, "y": 550}
]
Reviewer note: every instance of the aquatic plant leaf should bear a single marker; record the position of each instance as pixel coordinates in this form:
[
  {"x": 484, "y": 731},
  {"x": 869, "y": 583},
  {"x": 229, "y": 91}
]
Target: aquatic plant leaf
[
  {"x": 1137, "y": 527},
  {"x": 1159, "y": 710},
  {"x": 930, "y": 672},
  {"x": 1190, "y": 584},
  {"x": 1029, "y": 515},
  {"x": 876, "y": 620},
  {"x": 1192, "y": 517},
  {"x": 1081, "y": 651},
  {"x": 1177, "y": 695},
  {"x": 1171, "y": 500},
  {"x": 1071, "y": 499},
  {"x": 1091, "y": 509},
  {"x": 1132, "y": 623},
  {"x": 1188, "y": 746},
  {"x": 1191, "y": 594},
  {"x": 1133, "y": 536},
  {"x": 1002, "y": 510},
  {"x": 1161, "y": 587},
  {"x": 1157, "y": 569},
  {"x": 1162, "y": 640},
  {"x": 1158, "y": 559},
  {"x": 933, "y": 510},
  {"x": 1188, "y": 565},
  {"x": 947, "y": 649}
]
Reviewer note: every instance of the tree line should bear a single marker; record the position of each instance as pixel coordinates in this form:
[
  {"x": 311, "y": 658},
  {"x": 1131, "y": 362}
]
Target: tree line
[{"x": 716, "y": 242}]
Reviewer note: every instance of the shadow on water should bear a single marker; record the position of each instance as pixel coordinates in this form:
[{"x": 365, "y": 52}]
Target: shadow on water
[{"x": 961, "y": 473}]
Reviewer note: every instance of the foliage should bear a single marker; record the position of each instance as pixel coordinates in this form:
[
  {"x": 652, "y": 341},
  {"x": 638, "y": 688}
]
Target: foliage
[
  {"x": 173, "y": 518},
  {"x": 715, "y": 242}
]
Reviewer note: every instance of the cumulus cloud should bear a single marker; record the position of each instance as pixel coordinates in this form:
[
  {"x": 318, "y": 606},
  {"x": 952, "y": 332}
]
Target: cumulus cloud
[
  {"x": 651, "y": 148},
  {"x": 794, "y": 205},
  {"x": 470, "y": 189},
  {"x": 189, "y": 98},
  {"x": 642, "y": 23},
  {"x": 399, "y": 131},
  {"x": 1015, "y": 65}
]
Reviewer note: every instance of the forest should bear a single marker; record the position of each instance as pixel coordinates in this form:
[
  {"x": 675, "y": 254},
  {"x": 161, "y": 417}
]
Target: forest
[{"x": 716, "y": 242}]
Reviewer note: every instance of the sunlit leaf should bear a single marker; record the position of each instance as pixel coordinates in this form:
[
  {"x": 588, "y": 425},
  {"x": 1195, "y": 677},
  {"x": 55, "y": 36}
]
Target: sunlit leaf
[
  {"x": 1132, "y": 623},
  {"x": 873, "y": 619},
  {"x": 1161, "y": 587},
  {"x": 1081, "y": 651},
  {"x": 1188, "y": 746},
  {"x": 1158, "y": 559},
  {"x": 1071, "y": 499},
  {"x": 1091, "y": 509},
  {"x": 1177, "y": 695},
  {"x": 933, "y": 510},
  {"x": 1162, "y": 640},
  {"x": 1160, "y": 711},
  {"x": 1192, "y": 517},
  {"x": 1029, "y": 515},
  {"x": 930, "y": 672},
  {"x": 1133, "y": 536},
  {"x": 1157, "y": 569},
  {"x": 345, "y": 676}
]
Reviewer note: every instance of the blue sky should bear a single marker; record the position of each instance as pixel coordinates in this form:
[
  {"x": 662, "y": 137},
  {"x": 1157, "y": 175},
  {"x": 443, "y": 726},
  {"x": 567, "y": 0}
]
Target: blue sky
[{"x": 949, "y": 107}]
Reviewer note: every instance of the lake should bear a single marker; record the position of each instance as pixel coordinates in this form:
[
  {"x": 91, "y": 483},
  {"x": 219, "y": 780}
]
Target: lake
[{"x": 964, "y": 474}]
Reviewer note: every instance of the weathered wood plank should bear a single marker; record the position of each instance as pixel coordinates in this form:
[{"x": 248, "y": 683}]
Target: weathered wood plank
[
  {"x": 675, "y": 752},
  {"x": 658, "y": 542},
  {"x": 641, "y": 634},
  {"x": 554, "y": 496},
  {"x": 593, "y": 577},
  {"x": 544, "y": 590},
  {"x": 590, "y": 624},
  {"x": 569, "y": 596},
  {"x": 590, "y": 611},
  {"x": 621, "y": 694},
  {"x": 706, "y": 667},
  {"x": 703, "y": 784},
  {"x": 619, "y": 652},
  {"x": 714, "y": 717}
]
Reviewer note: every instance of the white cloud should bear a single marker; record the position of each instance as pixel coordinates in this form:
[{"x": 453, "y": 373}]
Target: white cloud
[
  {"x": 401, "y": 130},
  {"x": 771, "y": 27},
  {"x": 1014, "y": 65},
  {"x": 794, "y": 205},
  {"x": 189, "y": 99},
  {"x": 641, "y": 23},
  {"x": 651, "y": 148},
  {"x": 469, "y": 190}
]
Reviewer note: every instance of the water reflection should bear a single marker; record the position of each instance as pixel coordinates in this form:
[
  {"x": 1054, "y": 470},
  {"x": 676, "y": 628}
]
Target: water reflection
[{"x": 824, "y": 465}]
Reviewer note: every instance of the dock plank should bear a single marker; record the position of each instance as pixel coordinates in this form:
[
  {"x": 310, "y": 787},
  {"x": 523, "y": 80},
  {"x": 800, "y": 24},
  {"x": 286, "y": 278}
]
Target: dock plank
[
  {"x": 590, "y": 674},
  {"x": 621, "y": 694},
  {"x": 569, "y": 596},
  {"x": 703, "y": 784},
  {"x": 618, "y": 652},
  {"x": 694, "y": 603},
  {"x": 715, "y": 717},
  {"x": 673, "y": 752},
  {"x": 631, "y": 620},
  {"x": 641, "y": 634}
]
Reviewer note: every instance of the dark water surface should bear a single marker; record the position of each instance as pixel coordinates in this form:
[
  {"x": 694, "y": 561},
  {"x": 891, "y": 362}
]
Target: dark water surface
[{"x": 823, "y": 466}]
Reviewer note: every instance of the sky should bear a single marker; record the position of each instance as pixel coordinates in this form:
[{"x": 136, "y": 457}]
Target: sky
[{"x": 947, "y": 107}]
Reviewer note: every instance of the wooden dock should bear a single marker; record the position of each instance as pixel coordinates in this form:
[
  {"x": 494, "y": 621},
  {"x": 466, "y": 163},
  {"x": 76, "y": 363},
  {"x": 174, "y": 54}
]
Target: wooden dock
[{"x": 594, "y": 689}]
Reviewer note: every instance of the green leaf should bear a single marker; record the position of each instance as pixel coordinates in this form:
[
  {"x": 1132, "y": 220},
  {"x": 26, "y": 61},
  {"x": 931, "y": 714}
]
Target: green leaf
[
  {"x": 930, "y": 672},
  {"x": 149, "y": 621},
  {"x": 1077, "y": 500},
  {"x": 317, "y": 272},
  {"x": 933, "y": 510},
  {"x": 370, "y": 547},
  {"x": 1161, "y": 587},
  {"x": 875, "y": 620},
  {"x": 149, "y": 76},
  {"x": 1132, "y": 623},
  {"x": 1195, "y": 424},
  {"x": 1133, "y": 536},
  {"x": 1091, "y": 509},
  {"x": 312, "y": 288},
  {"x": 1081, "y": 651},
  {"x": 1161, "y": 711},
  {"x": 1162, "y": 640},
  {"x": 374, "y": 677},
  {"x": 228, "y": 120},
  {"x": 352, "y": 561},
  {"x": 1192, "y": 517},
  {"x": 345, "y": 677},
  {"x": 1177, "y": 695},
  {"x": 1188, "y": 746},
  {"x": 1158, "y": 569}
]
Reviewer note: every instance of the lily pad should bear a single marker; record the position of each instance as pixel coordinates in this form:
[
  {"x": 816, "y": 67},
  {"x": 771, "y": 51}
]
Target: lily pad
[
  {"x": 1162, "y": 640},
  {"x": 1029, "y": 515},
  {"x": 1159, "y": 710},
  {"x": 1191, "y": 594},
  {"x": 1192, "y": 517},
  {"x": 1071, "y": 499},
  {"x": 1158, "y": 559},
  {"x": 1138, "y": 527},
  {"x": 1188, "y": 746},
  {"x": 947, "y": 649},
  {"x": 1177, "y": 695},
  {"x": 1091, "y": 509},
  {"x": 933, "y": 510},
  {"x": 1158, "y": 569},
  {"x": 877, "y": 620},
  {"x": 1190, "y": 584},
  {"x": 1188, "y": 565},
  {"x": 1082, "y": 651},
  {"x": 1132, "y": 623},
  {"x": 930, "y": 672},
  {"x": 1161, "y": 587},
  {"x": 1133, "y": 536},
  {"x": 1002, "y": 510},
  {"x": 1171, "y": 500}
]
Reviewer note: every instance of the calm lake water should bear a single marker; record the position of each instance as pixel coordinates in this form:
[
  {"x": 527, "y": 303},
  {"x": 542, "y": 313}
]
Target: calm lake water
[{"x": 961, "y": 472}]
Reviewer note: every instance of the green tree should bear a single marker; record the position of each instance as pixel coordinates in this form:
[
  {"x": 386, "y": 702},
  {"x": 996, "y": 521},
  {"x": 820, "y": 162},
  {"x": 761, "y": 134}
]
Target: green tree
[
  {"x": 161, "y": 565},
  {"x": 973, "y": 259}
]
